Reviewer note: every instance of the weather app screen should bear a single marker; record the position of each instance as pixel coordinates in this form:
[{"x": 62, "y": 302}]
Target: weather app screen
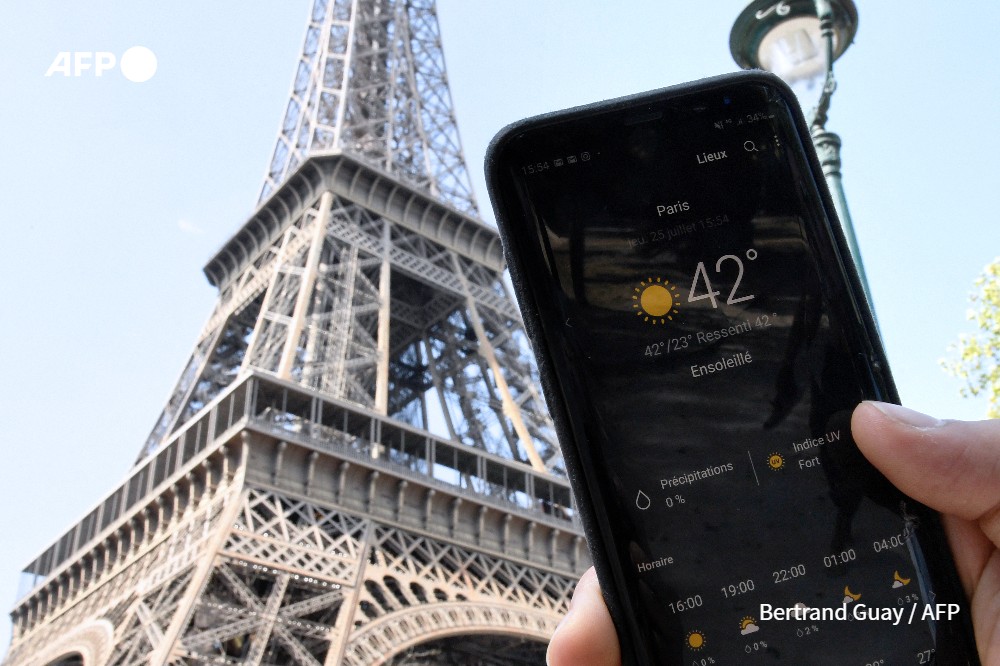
[{"x": 696, "y": 322}]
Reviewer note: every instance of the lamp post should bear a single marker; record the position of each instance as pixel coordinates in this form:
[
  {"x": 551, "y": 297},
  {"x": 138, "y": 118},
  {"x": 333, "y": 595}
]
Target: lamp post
[{"x": 799, "y": 40}]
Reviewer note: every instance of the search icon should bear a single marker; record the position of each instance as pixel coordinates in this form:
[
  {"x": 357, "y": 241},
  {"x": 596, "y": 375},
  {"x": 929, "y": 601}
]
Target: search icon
[{"x": 750, "y": 146}]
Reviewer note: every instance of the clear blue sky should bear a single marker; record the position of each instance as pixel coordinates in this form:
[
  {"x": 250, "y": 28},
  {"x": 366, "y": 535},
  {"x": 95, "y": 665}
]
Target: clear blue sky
[{"x": 116, "y": 193}]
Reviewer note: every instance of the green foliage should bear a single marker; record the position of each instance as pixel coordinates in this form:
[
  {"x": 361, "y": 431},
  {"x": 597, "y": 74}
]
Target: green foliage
[{"x": 978, "y": 362}]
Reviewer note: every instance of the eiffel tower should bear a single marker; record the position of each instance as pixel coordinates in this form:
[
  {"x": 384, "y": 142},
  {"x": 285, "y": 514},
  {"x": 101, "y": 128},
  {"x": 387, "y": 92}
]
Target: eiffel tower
[{"x": 355, "y": 465}]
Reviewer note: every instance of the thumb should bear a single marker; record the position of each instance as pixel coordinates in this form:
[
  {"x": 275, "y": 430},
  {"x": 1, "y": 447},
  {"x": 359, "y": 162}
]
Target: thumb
[
  {"x": 951, "y": 466},
  {"x": 586, "y": 635}
]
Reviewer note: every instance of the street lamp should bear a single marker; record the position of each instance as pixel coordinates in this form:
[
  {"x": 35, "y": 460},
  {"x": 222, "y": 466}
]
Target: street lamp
[{"x": 799, "y": 40}]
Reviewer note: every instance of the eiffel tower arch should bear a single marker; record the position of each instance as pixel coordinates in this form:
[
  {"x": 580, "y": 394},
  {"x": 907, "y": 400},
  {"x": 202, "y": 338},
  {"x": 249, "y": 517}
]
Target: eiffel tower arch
[{"x": 355, "y": 465}]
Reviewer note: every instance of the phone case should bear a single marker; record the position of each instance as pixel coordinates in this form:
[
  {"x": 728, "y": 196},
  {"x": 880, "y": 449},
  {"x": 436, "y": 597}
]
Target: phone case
[{"x": 875, "y": 360}]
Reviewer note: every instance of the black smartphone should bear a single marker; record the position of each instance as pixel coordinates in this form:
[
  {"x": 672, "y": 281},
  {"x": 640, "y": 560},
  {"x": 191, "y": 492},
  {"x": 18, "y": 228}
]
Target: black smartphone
[{"x": 703, "y": 338}]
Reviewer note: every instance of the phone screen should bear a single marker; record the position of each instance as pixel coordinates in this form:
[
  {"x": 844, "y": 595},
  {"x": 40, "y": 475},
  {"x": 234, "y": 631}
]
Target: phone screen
[{"x": 708, "y": 352}]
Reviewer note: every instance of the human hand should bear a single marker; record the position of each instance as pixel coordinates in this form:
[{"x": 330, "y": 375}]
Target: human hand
[
  {"x": 586, "y": 636},
  {"x": 951, "y": 466},
  {"x": 954, "y": 468}
]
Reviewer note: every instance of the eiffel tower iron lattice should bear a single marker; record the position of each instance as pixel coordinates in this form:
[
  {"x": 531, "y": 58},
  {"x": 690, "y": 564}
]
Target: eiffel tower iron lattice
[{"x": 355, "y": 465}]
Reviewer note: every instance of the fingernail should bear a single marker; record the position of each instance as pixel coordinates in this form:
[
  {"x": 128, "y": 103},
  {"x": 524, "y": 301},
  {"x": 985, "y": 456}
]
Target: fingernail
[{"x": 906, "y": 416}]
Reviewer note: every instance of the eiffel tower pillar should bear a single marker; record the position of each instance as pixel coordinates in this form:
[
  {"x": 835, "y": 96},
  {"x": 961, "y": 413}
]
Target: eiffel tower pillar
[{"x": 355, "y": 465}]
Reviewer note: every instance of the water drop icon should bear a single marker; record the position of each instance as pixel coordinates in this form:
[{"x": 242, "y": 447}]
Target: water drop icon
[{"x": 642, "y": 501}]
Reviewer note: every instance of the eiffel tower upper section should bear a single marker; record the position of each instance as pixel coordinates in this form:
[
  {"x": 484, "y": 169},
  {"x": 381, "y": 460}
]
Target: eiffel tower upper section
[
  {"x": 366, "y": 274},
  {"x": 371, "y": 82}
]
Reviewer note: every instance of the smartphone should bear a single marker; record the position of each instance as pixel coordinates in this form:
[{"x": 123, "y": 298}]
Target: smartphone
[{"x": 702, "y": 339}]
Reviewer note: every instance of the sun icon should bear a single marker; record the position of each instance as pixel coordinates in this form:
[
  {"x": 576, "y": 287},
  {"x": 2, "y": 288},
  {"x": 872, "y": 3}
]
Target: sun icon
[
  {"x": 695, "y": 640},
  {"x": 654, "y": 300},
  {"x": 775, "y": 461}
]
